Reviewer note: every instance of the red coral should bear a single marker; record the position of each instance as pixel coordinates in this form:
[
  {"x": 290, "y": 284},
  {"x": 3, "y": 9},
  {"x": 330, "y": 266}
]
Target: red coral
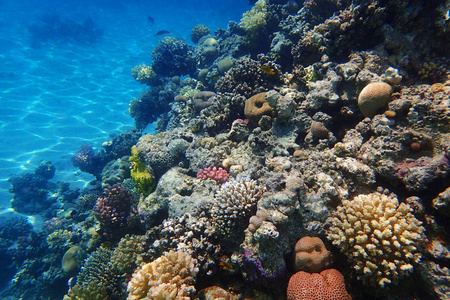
[
  {"x": 328, "y": 285},
  {"x": 219, "y": 175}
]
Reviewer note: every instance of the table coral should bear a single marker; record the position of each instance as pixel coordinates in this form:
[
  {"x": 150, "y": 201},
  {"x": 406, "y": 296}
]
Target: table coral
[{"x": 380, "y": 237}]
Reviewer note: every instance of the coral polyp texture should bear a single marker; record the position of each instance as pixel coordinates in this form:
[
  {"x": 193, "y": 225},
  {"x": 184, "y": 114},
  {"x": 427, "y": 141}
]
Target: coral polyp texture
[
  {"x": 380, "y": 237},
  {"x": 171, "y": 276},
  {"x": 219, "y": 175},
  {"x": 329, "y": 285},
  {"x": 234, "y": 202}
]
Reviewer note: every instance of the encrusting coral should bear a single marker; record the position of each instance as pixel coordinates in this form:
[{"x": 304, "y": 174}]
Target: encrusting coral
[
  {"x": 171, "y": 276},
  {"x": 380, "y": 237}
]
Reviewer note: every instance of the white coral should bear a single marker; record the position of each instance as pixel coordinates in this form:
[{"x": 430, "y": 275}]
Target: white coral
[{"x": 379, "y": 236}]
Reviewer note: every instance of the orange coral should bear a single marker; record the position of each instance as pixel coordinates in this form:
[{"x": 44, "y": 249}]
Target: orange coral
[
  {"x": 311, "y": 255},
  {"x": 257, "y": 106},
  {"x": 328, "y": 285}
]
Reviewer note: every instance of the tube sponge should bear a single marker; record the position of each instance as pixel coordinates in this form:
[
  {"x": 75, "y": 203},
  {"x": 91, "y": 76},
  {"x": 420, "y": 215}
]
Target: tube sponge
[{"x": 380, "y": 237}]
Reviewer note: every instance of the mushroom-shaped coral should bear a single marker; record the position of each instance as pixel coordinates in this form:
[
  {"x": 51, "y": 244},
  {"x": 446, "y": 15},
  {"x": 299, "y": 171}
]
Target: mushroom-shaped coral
[
  {"x": 257, "y": 106},
  {"x": 379, "y": 236},
  {"x": 169, "y": 277},
  {"x": 328, "y": 285},
  {"x": 374, "y": 96},
  {"x": 311, "y": 255}
]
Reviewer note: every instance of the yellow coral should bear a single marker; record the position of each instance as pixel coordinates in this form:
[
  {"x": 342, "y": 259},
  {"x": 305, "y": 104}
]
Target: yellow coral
[
  {"x": 379, "y": 236},
  {"x": 256, "y": 17},
  {"x": 143, "y": 73},
  {"x": 169, "y": 277},
  {"x": 144, "y": 180}
]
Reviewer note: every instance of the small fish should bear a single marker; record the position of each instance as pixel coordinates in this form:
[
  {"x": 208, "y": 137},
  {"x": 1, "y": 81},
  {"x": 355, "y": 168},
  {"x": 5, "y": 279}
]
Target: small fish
[
  {"x": 150, "y": 21},
  {"x": 162, "y": 32},
  {"x": 268, "y": 70},
  {"x": 226, "y": 266},
  {"x": 215, "y": 78}
]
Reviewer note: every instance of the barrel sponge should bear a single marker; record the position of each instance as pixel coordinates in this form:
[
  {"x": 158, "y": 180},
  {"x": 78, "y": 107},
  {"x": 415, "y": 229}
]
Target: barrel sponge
[
  {"x": 311, "y": 255},
  {"x": 171, "y": 276},
  {"x": 329, "y": 284},
  {"x": 380, "y": 237},
  {"x": 374, "y": 96}
]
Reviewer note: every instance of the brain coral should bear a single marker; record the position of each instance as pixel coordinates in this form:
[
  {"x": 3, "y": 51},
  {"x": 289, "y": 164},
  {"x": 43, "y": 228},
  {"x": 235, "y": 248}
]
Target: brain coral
[
  {"x": 311, "y": 255},
  {"x": 379, "y": 236},
  {"x": 235, "y": 201},
  {"x": 169, "y": 277},
  {"x": 374, "y": 96},
  {"x": 329, "y": 285}
]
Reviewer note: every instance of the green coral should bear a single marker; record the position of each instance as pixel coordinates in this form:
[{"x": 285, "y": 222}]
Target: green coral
[
  {"x": 142, "y": 177},
  {"x": 255, "y": 18}
]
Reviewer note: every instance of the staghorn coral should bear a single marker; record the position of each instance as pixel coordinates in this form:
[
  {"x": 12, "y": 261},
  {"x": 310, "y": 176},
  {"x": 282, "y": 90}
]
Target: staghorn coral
[
  {"x": 171, "y": 276},
  {"x": 329, "y": 284},
  {"x": 379, "y": 236},
  {"x": 234, "y": 202}
]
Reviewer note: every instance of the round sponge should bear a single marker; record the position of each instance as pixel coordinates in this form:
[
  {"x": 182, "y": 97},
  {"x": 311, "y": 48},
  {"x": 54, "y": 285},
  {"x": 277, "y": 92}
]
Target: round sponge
[
  {"x": 374, "y": 96},
  {"x": 311, "y": 255}
]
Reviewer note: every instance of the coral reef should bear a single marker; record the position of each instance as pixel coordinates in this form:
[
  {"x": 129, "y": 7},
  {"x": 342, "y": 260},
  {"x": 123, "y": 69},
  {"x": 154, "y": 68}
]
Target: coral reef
[
  {"x": 171, "y": 57},
  {"x": 329, "y": 284},
  {"x": 234, "y": 202},
  {"x": 171, "y": 276},
  {"x": 219, "y": 175},
  {"x": 380, "y": 236},
  {"x": 31, "y": 190},
  {"x": 311, "y": 255},
  {"x": 116, "y": 210}
]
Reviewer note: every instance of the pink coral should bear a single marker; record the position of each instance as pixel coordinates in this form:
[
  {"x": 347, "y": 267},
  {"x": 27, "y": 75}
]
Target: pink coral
[{"x": 219, "y": 175}]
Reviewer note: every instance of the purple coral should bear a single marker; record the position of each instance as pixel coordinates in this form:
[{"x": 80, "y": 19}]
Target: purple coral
[
  {"x": 219, "y": 175},
  {"x": 255, "y": 270},
  {"x": 114, "y": 209}
]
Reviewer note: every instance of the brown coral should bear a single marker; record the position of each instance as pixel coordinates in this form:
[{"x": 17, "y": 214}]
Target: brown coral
[
  {"x": 311, "y": 255},
  {"x": 374, "y": 96},
  {"x": 257, "y": 106},
  {"x": 328, "y": 285}
]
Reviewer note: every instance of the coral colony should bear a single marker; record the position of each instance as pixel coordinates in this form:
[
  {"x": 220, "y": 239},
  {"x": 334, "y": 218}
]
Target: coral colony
[{"x": 305, "y": 147}]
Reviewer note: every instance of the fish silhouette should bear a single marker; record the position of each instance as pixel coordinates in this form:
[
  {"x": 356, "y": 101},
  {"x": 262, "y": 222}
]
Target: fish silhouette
[
  {"x": 150, "y": 21},
  {"x": 162, "y": 32}
]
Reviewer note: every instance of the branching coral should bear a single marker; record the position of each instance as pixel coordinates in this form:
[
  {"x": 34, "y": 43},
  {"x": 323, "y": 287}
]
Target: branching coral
[
  {"x": 234, "y": 202},
  {"x": 255, "y": 18},
  {"x": 380, "y": 237},
  {"x": 169, "y": 277}
]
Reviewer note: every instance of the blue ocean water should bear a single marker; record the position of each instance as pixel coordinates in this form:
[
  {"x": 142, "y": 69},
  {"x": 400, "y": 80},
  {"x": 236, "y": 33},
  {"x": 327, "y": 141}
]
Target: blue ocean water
[{"x": 60, "y": 90}]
